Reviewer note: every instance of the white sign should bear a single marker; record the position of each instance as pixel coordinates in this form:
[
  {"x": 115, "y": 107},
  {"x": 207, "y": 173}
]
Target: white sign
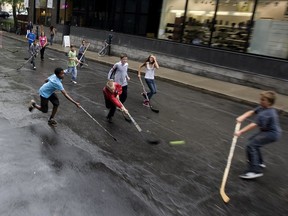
[
  {"x": 66, "y": 41},
  {"x": 26, "y": 3},
  {"x": 49, "y": 3}
]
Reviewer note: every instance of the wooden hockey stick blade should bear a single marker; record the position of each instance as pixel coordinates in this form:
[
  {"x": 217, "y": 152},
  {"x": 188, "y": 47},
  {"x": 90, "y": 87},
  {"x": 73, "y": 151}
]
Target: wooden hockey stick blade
[{"x": 226, "y": 172}]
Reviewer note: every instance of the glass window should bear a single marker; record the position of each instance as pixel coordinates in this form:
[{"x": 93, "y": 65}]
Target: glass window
[
  {"x": 270, "y": 29},
  {"x": 172, "y": 20},
  {"x": 198, "y": 22},
  {"x": 231, "y": 29}
]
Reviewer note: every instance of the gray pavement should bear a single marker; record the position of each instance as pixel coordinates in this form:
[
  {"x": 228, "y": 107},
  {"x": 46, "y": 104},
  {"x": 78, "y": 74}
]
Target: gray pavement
[
  {"x": 76, "y": 169},
  {"x": 228, "y": 90}
]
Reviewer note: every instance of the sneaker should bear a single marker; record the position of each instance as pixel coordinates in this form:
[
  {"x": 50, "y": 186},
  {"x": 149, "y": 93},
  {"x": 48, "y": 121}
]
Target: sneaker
[
  {"x": 109, "y": 119},
  {"x": 31, "y": 105},
  {"x": 34, "y": 68},
  {"x": 52, "y": 122},
  {"x": 262, "y": 165},
  {"x": 146, "y": 103},
  {"x": 73, "y": 81},
  {"x": 251, "y": 175}
]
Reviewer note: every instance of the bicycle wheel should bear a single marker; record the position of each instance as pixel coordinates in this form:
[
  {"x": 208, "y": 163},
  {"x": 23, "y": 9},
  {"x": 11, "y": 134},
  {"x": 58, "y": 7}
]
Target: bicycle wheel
[{"x": 103, "y": 51}]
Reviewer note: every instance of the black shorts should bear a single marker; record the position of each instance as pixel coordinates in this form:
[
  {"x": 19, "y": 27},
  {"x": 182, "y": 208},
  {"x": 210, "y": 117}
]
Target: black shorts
[{"x": 44, "y": 102}]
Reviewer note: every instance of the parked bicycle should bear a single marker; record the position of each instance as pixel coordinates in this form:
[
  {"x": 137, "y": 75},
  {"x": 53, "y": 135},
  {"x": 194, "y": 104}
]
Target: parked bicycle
[{"x": 106, "y": 46}]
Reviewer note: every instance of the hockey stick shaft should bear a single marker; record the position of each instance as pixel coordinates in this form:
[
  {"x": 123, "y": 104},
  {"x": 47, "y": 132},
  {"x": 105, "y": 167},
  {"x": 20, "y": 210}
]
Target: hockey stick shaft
[
  {"x": 154, "y": 110},
  {"x": 98, "y": 123},
  {"x": 226, "y": 172},
  {"x": 132, "y": 119},
  {"x": 83, "y": 54}
]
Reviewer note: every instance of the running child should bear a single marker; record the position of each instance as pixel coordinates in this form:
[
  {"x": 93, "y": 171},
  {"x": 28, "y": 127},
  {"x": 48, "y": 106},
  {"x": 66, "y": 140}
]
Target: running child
[
  {"x": 150, "y": 64},
  {"x": 34, "y": 50},
  {"x": 47, "y": 93},
  {"x": 269, "y": 131},
  {"x": 119, "y": 73},
  {"x": 72, "y": 63},
  {"x": 112, "y": 91}
]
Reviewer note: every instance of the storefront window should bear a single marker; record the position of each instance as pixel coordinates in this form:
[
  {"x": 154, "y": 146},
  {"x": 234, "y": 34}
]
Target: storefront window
[
  {"x": 198, "y": 22},
  {"x": 43, "y": 10},
  {"x": 65, "y": 12},
  {"x": 232, "y": 24},
  {"x": 270, "y": 30},
  {"x": 172, "y": 20}
]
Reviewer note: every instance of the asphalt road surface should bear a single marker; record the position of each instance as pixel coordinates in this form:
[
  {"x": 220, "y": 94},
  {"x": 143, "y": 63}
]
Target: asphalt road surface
[{"x": 78, "y": 169}]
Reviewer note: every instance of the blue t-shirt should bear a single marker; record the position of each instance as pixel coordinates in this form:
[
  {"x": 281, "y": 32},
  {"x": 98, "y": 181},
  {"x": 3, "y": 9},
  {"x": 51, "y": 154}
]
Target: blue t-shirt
[
  {"x": 53, "y": 84},
  {"x": 31, "y": 37},
  {"x": 267, "y": 120}
]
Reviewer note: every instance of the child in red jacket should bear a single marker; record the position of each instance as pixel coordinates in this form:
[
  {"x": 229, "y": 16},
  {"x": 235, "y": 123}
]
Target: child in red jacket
[{"x": 111, "y": 92}]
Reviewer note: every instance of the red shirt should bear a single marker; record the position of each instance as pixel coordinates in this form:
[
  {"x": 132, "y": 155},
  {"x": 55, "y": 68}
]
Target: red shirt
[{"x": 112, "y": 96}]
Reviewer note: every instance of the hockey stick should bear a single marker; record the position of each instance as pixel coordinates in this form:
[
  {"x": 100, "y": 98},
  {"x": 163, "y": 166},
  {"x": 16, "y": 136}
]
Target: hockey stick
[
  {"x": 83, "y": 55},
  {"x": 126, "y": 119},
  {"x": 150, "y": 141},
  {"x": 29, "y": 59},
  {"x": 225, "y": 176},
  {"x": 98, "y": 123},
  {"x": 154, "y": 110}
]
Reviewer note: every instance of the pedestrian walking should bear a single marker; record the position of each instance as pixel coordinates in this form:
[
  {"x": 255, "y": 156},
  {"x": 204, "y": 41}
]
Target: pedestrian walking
[
  {"x": 52, "y": 34},
  {"x": 119, "y": 73},
  {"x": 72, "y": 63},
  {"x": 47, "y": 93},
  {"x": 34, "y": 50},
  {"x": 269, "y": 131},
  {"x": 29, "y": 27},
  {"x": 150, "y": 64},
  {"x": 81, "y": 54},
  {"x": 112, "y": 92},
  {"x": 43, "y": 43}
]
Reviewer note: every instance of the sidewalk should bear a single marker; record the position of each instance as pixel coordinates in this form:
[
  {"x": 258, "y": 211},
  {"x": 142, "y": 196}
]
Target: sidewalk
[{"x": 240, "y": 93}]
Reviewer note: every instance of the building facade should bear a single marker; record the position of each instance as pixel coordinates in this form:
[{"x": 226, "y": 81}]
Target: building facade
[{"x": 246, "y": 26}]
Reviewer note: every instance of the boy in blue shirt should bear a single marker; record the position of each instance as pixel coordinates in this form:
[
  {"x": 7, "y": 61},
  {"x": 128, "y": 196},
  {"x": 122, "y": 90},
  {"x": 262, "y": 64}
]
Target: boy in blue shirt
[
  {"x": 31, "y": 37},
  {"x": 47, "y": 93},
  {"x": 269, "y": 131}
]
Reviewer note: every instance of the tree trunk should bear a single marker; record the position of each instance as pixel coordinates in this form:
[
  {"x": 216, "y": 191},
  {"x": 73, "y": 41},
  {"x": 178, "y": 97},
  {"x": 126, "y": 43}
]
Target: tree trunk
[{"x": 15, "y": 17}]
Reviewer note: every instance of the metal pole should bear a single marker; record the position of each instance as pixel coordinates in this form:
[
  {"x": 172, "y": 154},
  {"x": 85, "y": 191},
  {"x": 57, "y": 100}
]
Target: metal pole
[
  {"x": 249, "y": 26},
  {"x": 212, "y": 28}
]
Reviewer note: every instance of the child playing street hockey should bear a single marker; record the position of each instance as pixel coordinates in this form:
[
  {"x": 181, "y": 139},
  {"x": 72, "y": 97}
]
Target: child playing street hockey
[
  {"x": 150, "y": 64},
  {"x": 112, "y": 91},
  {"x": 72, "y": 63},
  {"x": 34, "y": 50},
  {"x": 81, "y": 55},
  {"x": 269, "y": 131},
  {"x": 47, "y": 93},
  {"x": 119, "y": 73}
]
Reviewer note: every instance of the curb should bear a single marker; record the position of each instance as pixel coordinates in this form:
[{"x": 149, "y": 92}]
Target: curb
[{"x": 207, "y": 91}]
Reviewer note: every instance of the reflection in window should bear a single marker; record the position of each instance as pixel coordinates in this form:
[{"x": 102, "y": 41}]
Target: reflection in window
[{"x": 270, "y": 30}]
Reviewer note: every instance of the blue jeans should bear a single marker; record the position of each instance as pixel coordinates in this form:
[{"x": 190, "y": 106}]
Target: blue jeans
[
  {"x": 73, "y": 71},
  {"x": 152, "y": 86},
  {"x": 255, "y": 142}
]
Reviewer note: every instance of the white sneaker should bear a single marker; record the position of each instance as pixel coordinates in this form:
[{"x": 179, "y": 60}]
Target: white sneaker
[
  {"x": 73, "y": 81},
  {"x": 251, "y": 175}
]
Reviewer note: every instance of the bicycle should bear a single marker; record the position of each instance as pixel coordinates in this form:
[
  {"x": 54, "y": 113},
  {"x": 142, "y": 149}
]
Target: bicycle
[{"x": 104, "y": 49}]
